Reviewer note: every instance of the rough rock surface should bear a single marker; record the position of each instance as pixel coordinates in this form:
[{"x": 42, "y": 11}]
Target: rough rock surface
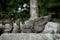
[
  {"x": 7, "y": 28},
  {"x": 35, "y": 26},
  {"x": 51, "y": 27},
  {"x": 29, "y": 36},
  {"x": 58, "y": 29}
]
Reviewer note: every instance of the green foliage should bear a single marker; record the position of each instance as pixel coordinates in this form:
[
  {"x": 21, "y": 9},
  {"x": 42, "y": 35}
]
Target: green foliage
[
  {"x": 51, "y": 7},
  {"x": 9, "y": 8},
  {"x": 24, "y": 15},
  {"x": 56, "y": 20}
]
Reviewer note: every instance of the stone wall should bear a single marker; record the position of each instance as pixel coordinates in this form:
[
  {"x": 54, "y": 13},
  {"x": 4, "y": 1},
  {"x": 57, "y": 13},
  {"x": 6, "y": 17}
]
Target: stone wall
[{"x": 29, "y": 36}]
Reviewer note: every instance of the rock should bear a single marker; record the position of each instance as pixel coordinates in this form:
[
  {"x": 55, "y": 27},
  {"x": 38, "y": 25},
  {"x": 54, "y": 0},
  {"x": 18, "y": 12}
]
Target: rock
[
  {"x": 7, "y": 28},
  {"x": 37, "y": 25},
  {"x": 16, "y": 28},
  {"x": 58, "y": 29},
  {"x": 56, "y": 37},
  {"x": 29, "y": 36},
  {"x": 51, "y": 27}
]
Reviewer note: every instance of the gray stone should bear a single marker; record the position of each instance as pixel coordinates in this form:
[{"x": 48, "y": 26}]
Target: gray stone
[
  {"x": 51, "y": 27},
  {"x": 56, "y": 36},
  {"x": 58, "y": 29},
  {"x": 29, "y": 36},
  {"x": 7, "y": 28}
]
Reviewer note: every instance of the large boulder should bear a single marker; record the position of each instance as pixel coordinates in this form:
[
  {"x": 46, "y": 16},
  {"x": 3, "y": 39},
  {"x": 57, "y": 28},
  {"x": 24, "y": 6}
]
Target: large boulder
[
  {"x": 35, "y": 26},
  {"x": 29, "y": 36},
  {"x": 51, "y": 27}
]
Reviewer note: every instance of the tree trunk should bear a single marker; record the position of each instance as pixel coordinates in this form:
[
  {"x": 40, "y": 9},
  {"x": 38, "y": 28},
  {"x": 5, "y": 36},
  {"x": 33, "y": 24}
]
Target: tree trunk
[{"x": 33, "y": 9}]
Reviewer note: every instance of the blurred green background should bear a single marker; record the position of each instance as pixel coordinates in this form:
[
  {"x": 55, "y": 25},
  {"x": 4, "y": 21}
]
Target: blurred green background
[{"x": 11, "y": 10}]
